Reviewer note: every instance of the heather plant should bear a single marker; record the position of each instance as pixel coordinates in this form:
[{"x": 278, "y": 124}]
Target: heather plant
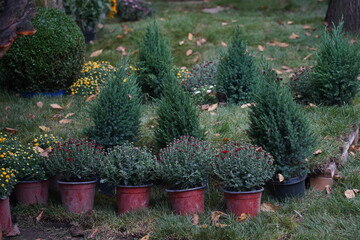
[
  {"x": 185, "y": 163},
  {"x": 243, "y": 167},
  {"x": 178, "y": 116},
  {"x": 133, "y": 10},
  {"x": 127, "y": 165},
  {"x": 155, "y": 61},
  {"x": 301, "y": 85},
  {"x": 237, "y": 72},
  {"x": 338, "y": 66},
  {"x": 116, "y": 111},
  {"x": 7, "y": 181},
  {"x": 202, "y": 75},
  {"x": 279, "y": 126},
  {"x": 75, "y": 160}
]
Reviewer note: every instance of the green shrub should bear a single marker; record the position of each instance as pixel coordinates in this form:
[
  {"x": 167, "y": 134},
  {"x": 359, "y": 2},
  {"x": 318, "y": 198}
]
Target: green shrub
[
  {"x": 133, "y": 10},
  {"x": 337, "y": 68},
  {"x": 116, "y": 111},
  {"x": 49, "y": 60},
  {"x": 279, "y": 125},
  {"x": 178, "y": 116},
  {"x": 203, "y": 74},
  {"x": 155, "y": 61},
  {"x": 301, "y": 85},
  {"x": 237, "y": 72}
]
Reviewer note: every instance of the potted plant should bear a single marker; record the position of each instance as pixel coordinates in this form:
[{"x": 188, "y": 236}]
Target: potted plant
[
  {"x": 76, "y": 160},
  {"x": 280, "y": 126},
  {"x": 32, "y": 186},
  {"x": 184, "y": 166},
  {"x": 7, "y": 183},
  {"x": 131, "y": 169},
  {"x": 243, "y": 170}
]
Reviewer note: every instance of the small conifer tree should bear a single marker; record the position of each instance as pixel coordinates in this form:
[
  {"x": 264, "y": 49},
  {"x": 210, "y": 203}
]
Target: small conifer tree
[
  {"x": 116, "y": 111},
  {"x": 337, "y": 68},
  {"x": 279, "y": 125},
  {"x": 155, "y": 60},
  {"x": 237, "y": 72},
  {"x": 178, "y": 115}
]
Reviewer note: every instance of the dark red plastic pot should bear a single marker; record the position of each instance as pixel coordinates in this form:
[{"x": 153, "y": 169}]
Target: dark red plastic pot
[
  {"x": 77, "y": 197},
  {"x": 187, "y": 201},
  {"x": 31, "y": 192},
  {"x": 132, "y": 197},
  {"x": 5, "y": 214},
  {"x": 243, "y": 202},
  {"x": 291, "y": 188}
]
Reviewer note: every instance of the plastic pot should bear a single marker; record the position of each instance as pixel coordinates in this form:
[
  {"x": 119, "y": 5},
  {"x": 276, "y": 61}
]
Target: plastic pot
[
  {"x": 243, "y": 202},
  {"x": 319, "y": 183},
  {"x": 31, "y": 192},
  {"x": 5, "y": 214},
  {"x": 293, "y": 187},
  {"x": 187, "y": 201},
  {"x": 77, "y": 197},
  {"x": 131, "y": 198},
  {"x": 89, "y": 35}
]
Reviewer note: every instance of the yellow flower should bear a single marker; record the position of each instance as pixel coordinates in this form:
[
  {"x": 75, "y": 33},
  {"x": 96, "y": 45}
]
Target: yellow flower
[
  {"x": 124, "y": 80},
  {"x": 6, "y": 180},
  {"x": 4, "y": 173},
  {"x": 3, "y": 185}
]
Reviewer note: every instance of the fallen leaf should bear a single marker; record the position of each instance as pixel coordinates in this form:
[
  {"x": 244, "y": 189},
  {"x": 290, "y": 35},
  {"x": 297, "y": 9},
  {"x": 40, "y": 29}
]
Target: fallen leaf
[
  {"x": 312, "y": 105},
  {"x": 223, "y": 44},
  {"x": 261, "y": 48},
  {"x": 38, "y": 149},
  {"x": 44, "y": 128},
  {"x": 212, "y": 107},
  {"x": 224, "y": 23},
  {"x": 283, "y": 44},
  {"x": 270, "y": 59},
  {"x": 46, "y": 152},
  {"x": 162, "y": 19},
  {"x": 352, "y": 153},
  {"x": 146, "y": 237},
  {"x": 352, "y": 41},
  {"x": 122, "y": 50},
  {"x": 93, "y": 233},
  {"x": 130, "y": 96},
  {"x": 201, "y": 42},
  {"x": 356, "y": 190},
  {"x": 246, "y": 105},
  {"x": 307, "y": 57},
  {"x": 56, "y": 106},
  {"x": 195, "y": 219},
  {"x": 242, "y": 217},
  {"x": 311, "y": 48},
  {"x": 181, "y": 42},
  {"x": 190, "y": 36},
  {"x": 189, "y": 52},
  {"x": 220, "y": 225},
  {"x": 267, "y": 207},
  {"x": 13, "y": 231},
  {"x": 276, "y": 43},
  {"x": 215, "y": 216},
  {"x": 233, "y": 21},
  {"x": 196, "y": 59},
  {"x": 290, "y": 22},
  {"x": 96, "y": 53},
  {"x": 91, "y": 97},
  {"x": 281, "y": 177},
  {"x": 293, "y": 36},
  {"x": 126, "y": 29},
  {"x": 10, "y": 130},
  {"x": 307, "y": 34},
  {"x": 31, "y": 116},
  {"x": 213, "y": 113},
  {"x": 69, "y": 115},
  {"x": 39, "y": 215},
  {"x": 100, "y": 25},
  {"x": 317, "y": 152},
  {"x": 40, "y": 104},
  {"x": 287, "y": 69},
  {"x": 355, "y": 148},
  {"x": 65, "y": 121},
  {"x": 205, "y": 107},
  {"x": 328, "y": 189},
  {"x": 119, "y": 36},
  {"x": 111, "y": 30},
  {"x": 216, "y": 134},
  {"x": 316, "y": 36},
  {"x": 56, "y": 116},
  {"x": 203, "y": 226},
  {"x": 308, "y": 27},
  {"x": 349, "y": 193}
]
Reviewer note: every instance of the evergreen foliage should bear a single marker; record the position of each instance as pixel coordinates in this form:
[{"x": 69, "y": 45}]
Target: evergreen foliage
[
  {"x": 116, "y": 111},
  {"x": 47, "y": 61},
  {"x": 237, "y": 72},
  {"x": 279, "y": 125},
  {"x": 337, "y": 68},
  {"x": 155, "y": 60},
  {"x": 178, "y": 115}
]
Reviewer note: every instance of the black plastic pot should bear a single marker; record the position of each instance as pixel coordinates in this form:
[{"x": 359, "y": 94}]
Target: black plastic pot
[
  {"x": 291, "y": 188},
  {"x": 89, "y": 35}
]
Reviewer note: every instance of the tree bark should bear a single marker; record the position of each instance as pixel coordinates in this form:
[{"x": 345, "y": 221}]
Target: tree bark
[
  {"x": 14, "y": 21},
  {"x": 348, "y": 10}
]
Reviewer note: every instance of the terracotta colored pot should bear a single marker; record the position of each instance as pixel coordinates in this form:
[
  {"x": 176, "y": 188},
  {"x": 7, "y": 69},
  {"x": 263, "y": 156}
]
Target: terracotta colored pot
[
  {"x": 31, "y": 192},
  {"x": 132, "y": 197},
  {"x": 293, "y": 187},
  {"x": 5, "y": 214},
  {"x": 319, "y": 183},
  {"x": 243, "y": 202},
  {"x": 77, "y": 197},
  {"x": 187, "y": 201}
]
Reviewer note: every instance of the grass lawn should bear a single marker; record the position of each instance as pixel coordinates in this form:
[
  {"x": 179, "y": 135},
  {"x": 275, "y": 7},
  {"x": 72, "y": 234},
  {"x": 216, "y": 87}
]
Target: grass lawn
[{"x": 317, "y": 216}]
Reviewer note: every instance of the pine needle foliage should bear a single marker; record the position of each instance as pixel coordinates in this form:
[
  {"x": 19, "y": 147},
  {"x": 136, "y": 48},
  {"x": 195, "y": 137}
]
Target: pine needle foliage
[
  {"x": 279, "y": 125},
  {"x": 178, "y": 115},
  {"x": 337, "y": 68},
  {"x": 155, "y": 60},
  {"x": 237, "y": 72},
  {"x": 116, "y": 111}
]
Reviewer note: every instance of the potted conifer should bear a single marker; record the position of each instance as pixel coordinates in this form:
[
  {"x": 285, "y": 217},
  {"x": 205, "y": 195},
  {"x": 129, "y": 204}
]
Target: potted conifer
[
  {"x": 279, "y": 125},
  {"x": 131, "y": 169},
  {"x": 243, "y": 169},
  {"x": 184, "y": 166}
]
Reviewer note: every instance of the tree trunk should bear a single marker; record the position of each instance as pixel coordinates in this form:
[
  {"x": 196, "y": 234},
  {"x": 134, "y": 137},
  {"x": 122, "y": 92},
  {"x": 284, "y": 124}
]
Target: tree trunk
[{"x": 348, "y": 10}]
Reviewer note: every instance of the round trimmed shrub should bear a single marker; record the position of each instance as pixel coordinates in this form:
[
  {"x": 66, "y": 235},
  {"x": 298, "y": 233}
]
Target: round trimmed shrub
[{"x": 47, "y": 61}]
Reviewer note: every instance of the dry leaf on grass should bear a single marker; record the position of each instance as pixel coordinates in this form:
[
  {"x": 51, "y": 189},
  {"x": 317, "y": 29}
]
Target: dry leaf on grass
[
  {"x": 205, "y": 107},
  {"x": 195, "y": 220},
  {"x": 122, "y": 50},
  {"x": 308, "y": 34},
  {"x": 242, "y": 217},
  {"x": 328, "y": 189},
  {"x": 279, "y": 44},
  {"x": 267, "y": 207},
  {"x": 215, "y": 216},
  {"x": 189, "y": 52},
  {"x": 261, "y": 48},
  {"x": 44, "y": 128},
  {"x": 39, "y": 215},
  {"x": 31, "y": 116},
  {"x": 293, "y": 36},
  {"x": 96, "y": 53},
  {"x": 10, "y": 130},
  {"x": 349, "y": 193},
  {"x": 317, "y": 152},
  {"x": 212, "y": 107},
  {"x": 203, "y": 226},
  {"x": 281, "y": 177},
  {"x": 181, "y": 43},
  {"x": 65, "y": 121},
  {"x": 290, "y": 22},
  {"x": 312, "y": 105},
  {"x": 308, "y": 27},
  {"x": 40, "y": 104},
  {"x": 56, "y": 106},
  {"x": 93, "y": 233},
  {"x": 146, "y": 237},
  {"x": 224, "y": 23},
  {"x": 91, "y": 97},
  {"x": 201, "y": 42},
  {"x": 190, "y": 36},
  {"x": 56, "y": 116},
  {"x": 307, "y": 57},
  {"x": 223, "y": 44},
  {"x": 196, "y": 59},
  {"x": 69, "y": 115}
]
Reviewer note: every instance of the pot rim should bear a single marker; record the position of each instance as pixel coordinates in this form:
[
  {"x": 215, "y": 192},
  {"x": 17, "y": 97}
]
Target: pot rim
[
  {"x": 291, "y": 181},
  {"x": 185, "y": 190},
  {"x": 3, "y": 197},
  {"x": 243, "y": 192},
  {"x": 74, "y": 183},
  {"x": 136, "y": 186},
  {"x": 32, "y": 181}
]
